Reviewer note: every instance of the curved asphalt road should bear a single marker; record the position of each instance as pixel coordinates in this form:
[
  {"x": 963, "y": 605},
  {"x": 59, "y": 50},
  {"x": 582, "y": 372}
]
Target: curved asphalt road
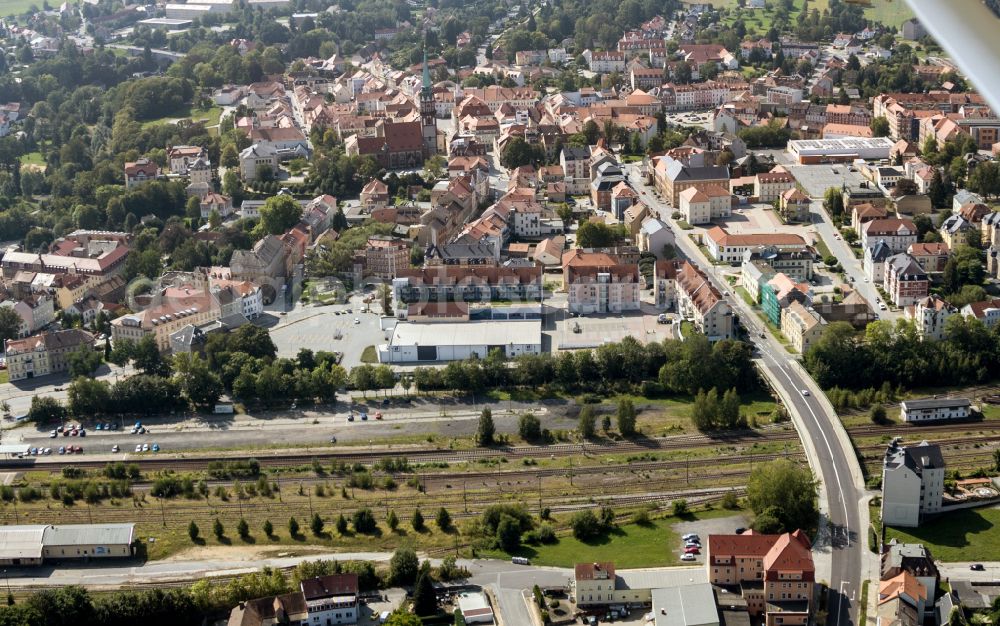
[{"x": 827, "y": 446}]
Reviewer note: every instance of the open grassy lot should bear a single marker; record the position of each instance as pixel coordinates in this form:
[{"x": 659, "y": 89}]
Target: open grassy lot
[
  {"x": 17, "y": 7},
  {"x": 629, "y": 545},
  {"x": 888, "y": 12},
  {"x": 210, "y": 116},
  {"x": 969, "y": 535}
]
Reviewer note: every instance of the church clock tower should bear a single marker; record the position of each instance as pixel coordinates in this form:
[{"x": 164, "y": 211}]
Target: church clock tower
[{"x": 428, "y": 117}]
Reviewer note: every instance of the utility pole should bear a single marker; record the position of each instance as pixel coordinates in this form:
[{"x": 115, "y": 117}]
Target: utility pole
[
  {"x": 539, "y": 495},
  {"x": 465, "y": 500}
]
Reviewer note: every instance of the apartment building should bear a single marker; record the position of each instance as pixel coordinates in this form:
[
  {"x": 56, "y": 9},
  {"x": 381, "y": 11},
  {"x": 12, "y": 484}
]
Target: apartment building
[
  {"x": 597, "y": 282},
  {"x": 912, "y": 483},
  {"x": 768, "y": 186},
  {"x": 140, "y": 171},
  {"x": 774, "y": 574},
  {"x": 932, "y": 257},
  {"x": 797, "y": 263},
  {"x": 730, "y": 248},
  {"x": 44, "y": 354},
  {"x": 801, "y": 325},
  {"x": 575, "y": 162},
  {"x": 326, "y": 600},
  {"x": 700, "y": 206},
  {"x": 386, "y": 256},
  {"x": 701, "y": 303},
  {"x": 929, "y": 315},
  {"x": 177, "y": 309},
  {"x": 898, "y": 234},
  {"x": 905, "y": 281},
  {"x": 468, "y": 284},
  {"x": 672, "y": 176}
]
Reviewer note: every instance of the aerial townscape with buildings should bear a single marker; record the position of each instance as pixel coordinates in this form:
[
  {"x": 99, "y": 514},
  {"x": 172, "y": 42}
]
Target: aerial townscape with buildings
[{"x": 672, "y": 313}]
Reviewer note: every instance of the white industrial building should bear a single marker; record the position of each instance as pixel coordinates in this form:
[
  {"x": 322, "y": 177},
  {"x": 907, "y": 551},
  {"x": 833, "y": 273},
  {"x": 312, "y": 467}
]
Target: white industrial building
[
  {"x": 912, "y": 483},
  {"x": 33, "y": 544},
  {"x": 932, "y": 409},
  {"x": 688, "y": 605},
  {"x": 843, "y": 150},
  {"x": 456, "y": 341}
]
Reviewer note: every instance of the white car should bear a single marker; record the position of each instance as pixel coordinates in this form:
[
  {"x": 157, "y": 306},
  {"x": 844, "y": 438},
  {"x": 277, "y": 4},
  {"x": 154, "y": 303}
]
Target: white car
[
  {"x": 114, "y": 448},
  {"x": 138, "y": 447},
  {"x": 688, "y": 557},
  {"x": 145, "y": 447},
  {"x": 805, "y": 392},
  {"x": 357, "y": 321}
]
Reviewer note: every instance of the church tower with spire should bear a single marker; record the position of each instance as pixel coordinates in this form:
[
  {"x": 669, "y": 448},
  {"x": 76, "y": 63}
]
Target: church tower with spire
[{"x": 428, "y": 117}]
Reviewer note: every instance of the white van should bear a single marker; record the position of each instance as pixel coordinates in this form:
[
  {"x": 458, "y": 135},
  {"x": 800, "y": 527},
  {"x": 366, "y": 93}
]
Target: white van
[
  {"x": 383, "y": 617},
  {"x": 520, "y": 560}
]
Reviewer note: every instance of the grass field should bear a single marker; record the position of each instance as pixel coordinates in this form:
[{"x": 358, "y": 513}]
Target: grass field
[
  {"x": 33, "y": 158},
  {"x": 629, "y": 545},
  {"x": 210, "y": 116},
  {"x": 17, "y": 7},
  {"x": 888, "y": 12},
  {"x": 969, "y": 535}
]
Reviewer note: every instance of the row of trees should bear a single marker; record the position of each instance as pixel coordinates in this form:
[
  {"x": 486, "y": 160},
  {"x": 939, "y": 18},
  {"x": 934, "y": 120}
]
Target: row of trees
[
  {"x": 898, "y": 355},
  {"x": 670, "y": 366}
]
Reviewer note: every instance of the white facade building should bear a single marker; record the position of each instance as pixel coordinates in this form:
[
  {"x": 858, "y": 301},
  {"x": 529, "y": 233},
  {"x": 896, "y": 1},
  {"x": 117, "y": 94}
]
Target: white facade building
[
  {"x": 934, "y": 409},
  {"x": 912, "y": 484}
]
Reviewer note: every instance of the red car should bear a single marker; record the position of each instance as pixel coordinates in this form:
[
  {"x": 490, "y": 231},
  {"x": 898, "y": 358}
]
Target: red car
[{"x": 692, "y": 550}]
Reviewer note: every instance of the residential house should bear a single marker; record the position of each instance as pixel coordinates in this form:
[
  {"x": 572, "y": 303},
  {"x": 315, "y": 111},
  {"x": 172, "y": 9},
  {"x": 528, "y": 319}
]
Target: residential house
[
  {"x": 702, "y": 205},
  {"x": 44, "y": 354},
  {"x": 934, "y": 409},
  {"x": 794, "y": 206},
  {"x": 874, "y": 261},
  {"x": 140, "y": 171},
  {"x": 549, "y": 251},
  {"x": 768, "y": 186},
  {"x": 575, "y": 162},
  {"x": 932, "y": 257},
  {"x": 912, "y": 484},
  {"x": 913, "y": 558},
  {"x": 778, "y": 293},
  {"x": 216, "y": 203},
  {"x": 181, "y": 158},
  {"x": 898, "y": 234},
  {"x": 374, "y": 195},
  {"x": 986, "y": 311},
  {"x": 258, "y": 161},
  {"x": 653, "y": 236},
  {"x": 905, "y": 281},
  {"x": 36, "y": 311},
  {"x": 701, "y": 303},
  {"x": 802, "y": 326},
  {"x": 902, "y": 601},
  {"x": 955, "y": 231},
  {"x": 929, "y": 315},
  {"x": 797, "y": 263},
  {"x": 865, "y": 212}
]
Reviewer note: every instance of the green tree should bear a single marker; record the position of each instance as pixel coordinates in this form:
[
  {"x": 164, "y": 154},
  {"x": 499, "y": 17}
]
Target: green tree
[
  {"x": 268, "y": 528},
  {"x": 243, "y": 529},
  {"x": 424, "y": 596},
  {"x": 83, "y": 361},
  {"x": 626, "y": 417},
  {"x": 529, "y": 427},
  {"x": 587, "y": 422},
  {"x": 279, "y": 213},
  {"x": 316, "y": 525},
  {"x": 293, "y": 527},
  {"x": 147, "y": 358},
  {"x": 508, "y": 533},
  {"x": 679, "y": 508},
  {"x": 400, "y": 617},
  {"x": 45, "y": 409},
  {"x": 417, "y": 521},
  {"x": 585, "y": 525},
  {"x": 391, "y": 520},
  {"x": 229, "y": 158},
  {"x": 878, "y": 415},
  {"x": 88, "y": 396},
  {"x": 443, "y": 519},
  {"x": 785, "y": 490},
  {"x": 880, "y": 127},
  {"x": 218, "y": 530},
  {"x": 200, "y": 385},
  {"x": 193, "y": 531},
  {"x": 486, "y": 430},
  {"x": 833, "y": 202},
  {"x": 403, "y": 566},
  {"x": 10, "y": 323},
  {"x": 342, "y": 524}
]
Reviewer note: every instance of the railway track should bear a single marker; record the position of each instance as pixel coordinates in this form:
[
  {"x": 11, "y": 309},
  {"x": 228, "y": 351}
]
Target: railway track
[{"x": 423, "y": 455}]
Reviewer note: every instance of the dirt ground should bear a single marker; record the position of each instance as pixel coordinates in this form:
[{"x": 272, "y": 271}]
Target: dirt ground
[{"x": 243, "y": 553}]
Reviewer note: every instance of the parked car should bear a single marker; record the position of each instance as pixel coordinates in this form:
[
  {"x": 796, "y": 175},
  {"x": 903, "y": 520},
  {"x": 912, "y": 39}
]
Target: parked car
[
  {"x": 688, "y": 557},
  {"x": 114, "y": 448},
  {"x": 977, "y": 567},
  {"x": 138, "y": 447},
  {"x": 364, "y": 417},
  {"x": 155, "y": 447},
  {"x": 692, "y": 550},
  {"x": 62, "y": 450},
  {"x": 691, "y": 537},
  {"x": 740, "y": 530}
]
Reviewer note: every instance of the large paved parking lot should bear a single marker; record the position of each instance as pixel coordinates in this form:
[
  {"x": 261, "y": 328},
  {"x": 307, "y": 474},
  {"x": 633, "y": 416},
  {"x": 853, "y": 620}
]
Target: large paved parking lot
[
  {"x": 816, "y": 179},
  {"x": 598, "y": 329},
  {"x": 316, "y": 328}
]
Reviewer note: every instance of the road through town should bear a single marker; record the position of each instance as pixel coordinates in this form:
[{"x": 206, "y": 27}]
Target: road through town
[{"x": 826, "y": 442}]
